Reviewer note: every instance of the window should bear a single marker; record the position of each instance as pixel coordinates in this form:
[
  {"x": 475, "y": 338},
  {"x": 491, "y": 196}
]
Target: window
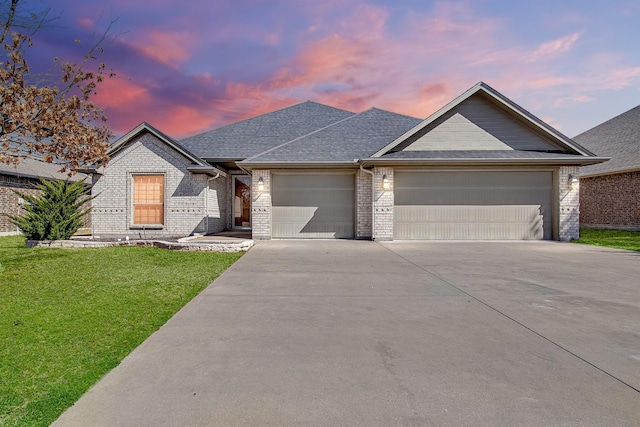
[{"x": 148, "y": 199}]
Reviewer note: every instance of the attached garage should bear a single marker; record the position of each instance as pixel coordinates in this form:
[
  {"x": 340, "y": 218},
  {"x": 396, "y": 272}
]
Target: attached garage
[
  {"x": 512, "y": 205},
  {"x": 308, "y": 205}
]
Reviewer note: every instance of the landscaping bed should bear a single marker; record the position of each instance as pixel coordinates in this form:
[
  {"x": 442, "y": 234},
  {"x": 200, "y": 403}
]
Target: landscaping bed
[{"x": 68, "y": 316}]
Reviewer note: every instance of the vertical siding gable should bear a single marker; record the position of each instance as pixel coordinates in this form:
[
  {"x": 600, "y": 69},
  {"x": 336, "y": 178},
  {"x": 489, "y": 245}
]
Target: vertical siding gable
[{"x": 477, "y": 124}]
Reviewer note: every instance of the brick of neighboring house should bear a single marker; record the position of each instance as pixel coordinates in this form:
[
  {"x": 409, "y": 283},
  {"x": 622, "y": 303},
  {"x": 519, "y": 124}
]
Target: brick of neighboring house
[
  {"x": 611, "y": 201},
  {"x": 9, "y": 200}
]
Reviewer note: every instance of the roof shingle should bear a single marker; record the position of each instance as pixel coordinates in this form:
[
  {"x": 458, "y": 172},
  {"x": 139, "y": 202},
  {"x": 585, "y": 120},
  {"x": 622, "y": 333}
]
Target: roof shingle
[
  {"x": 356, "y": 137},
  {"x": 619, "y": 139},
  {"x": 34, "y": 168},
  {"x": 258, "y": 134}
]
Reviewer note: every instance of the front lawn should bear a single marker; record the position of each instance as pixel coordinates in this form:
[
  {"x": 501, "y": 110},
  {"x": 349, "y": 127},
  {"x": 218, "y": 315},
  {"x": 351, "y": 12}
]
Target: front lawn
[
  {"x": 68, "y": 316},
  {"x": 611, "y": 238}
]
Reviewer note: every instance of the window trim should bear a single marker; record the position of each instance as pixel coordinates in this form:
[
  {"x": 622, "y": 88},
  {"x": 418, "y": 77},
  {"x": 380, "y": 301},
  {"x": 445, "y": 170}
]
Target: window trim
[{"x": 140, "y": 226}]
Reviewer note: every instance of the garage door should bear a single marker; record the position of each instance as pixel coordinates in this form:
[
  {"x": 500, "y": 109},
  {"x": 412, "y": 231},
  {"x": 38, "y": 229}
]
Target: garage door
[
  {"x": 313, "y": 206},
  {"x": 473, "y": 205}
]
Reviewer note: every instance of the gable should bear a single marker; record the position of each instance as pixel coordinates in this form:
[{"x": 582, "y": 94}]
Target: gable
[
  {"x": 477, "y": 124},
  {"x": 148, "y": 132},
  {"x": 147, "y": 150}
]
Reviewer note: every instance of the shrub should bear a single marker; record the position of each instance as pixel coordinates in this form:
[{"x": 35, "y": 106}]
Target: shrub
[{"x": 56, "y": 213}]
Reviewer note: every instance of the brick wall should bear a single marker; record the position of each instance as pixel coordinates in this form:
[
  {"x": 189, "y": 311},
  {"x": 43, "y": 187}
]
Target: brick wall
[
  {"x": 185, "y": 193},
  {"x": 363, "y": 205},
  {"x": 611, "y": 201},
  {"x": 217, "y": 205},
  {"x": 9, "y": 200},
  {"x": 261, "y": 205},
  {"x": 569, "y": 204},
  {"x": 383, "y": 226}
]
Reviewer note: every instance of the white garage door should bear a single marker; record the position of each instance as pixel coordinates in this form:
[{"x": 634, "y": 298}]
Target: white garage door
[
  {"x": 313, "y": 206},
  {"x": 473, "y": 205}
]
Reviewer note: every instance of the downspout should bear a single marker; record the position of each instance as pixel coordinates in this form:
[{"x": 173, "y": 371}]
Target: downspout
[
  {"x": 206, "y": 201},
  {"x": 373, "y": 197}
]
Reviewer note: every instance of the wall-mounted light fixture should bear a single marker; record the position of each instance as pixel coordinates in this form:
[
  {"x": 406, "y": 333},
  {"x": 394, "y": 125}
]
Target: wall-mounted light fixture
[
  {"x": 260, "y": 184},
  {"x": 386, "y": 185},
  {"x": 573, "y": 179}
]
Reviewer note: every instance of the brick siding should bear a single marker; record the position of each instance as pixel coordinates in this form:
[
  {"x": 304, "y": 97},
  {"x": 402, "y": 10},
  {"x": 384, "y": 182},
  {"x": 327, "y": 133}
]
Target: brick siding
[
  {"x": 185, "y": 193},
  {"x": 569, "y": 204},
  {"x": 261, "y": 205},
  {"x": 9, "y": 199},
  {"x": 363, "y": 205},
  {"x": 611, "y": 201},
  {"x": 383, "y": 204}
]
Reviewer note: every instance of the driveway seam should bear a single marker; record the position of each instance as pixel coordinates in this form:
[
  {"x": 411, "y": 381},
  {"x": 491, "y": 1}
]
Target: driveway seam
[{"x": 441, "y": 279}]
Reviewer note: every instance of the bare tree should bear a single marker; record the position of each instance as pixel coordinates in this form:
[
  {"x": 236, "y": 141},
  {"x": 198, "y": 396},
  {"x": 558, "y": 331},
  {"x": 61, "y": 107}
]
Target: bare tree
[{"x": 57, "y": 122}]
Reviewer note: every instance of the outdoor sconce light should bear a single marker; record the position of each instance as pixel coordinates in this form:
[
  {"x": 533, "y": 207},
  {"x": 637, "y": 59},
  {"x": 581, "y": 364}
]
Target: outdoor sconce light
[
  {"x": 386, "y": 185},
  {"x": 260, "y": 184},
  {"x": 573, "y": 179}
]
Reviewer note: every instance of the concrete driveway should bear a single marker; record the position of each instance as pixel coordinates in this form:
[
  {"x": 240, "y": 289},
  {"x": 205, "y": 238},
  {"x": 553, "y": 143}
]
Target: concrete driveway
[{"x": 398, "y": 333}]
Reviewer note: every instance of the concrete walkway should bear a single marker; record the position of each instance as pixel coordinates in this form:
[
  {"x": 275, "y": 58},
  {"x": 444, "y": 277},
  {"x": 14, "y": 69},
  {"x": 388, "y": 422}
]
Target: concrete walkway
[{"x": 363, "y": 333}]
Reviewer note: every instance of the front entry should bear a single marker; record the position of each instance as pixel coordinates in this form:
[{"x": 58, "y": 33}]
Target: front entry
[{"x": 242, "y": 202}]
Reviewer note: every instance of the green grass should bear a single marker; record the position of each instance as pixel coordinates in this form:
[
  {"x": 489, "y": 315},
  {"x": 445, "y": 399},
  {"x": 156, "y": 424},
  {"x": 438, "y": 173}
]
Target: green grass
[
  {"x": 611, "y": 238},
  {"x": 68, "y": 316}
]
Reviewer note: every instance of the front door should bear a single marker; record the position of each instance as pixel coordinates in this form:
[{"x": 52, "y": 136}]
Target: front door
[{"x": 242, "y": 201}]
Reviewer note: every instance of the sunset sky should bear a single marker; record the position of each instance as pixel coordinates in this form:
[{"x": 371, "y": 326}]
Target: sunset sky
[{"x": 189, "y": 66}]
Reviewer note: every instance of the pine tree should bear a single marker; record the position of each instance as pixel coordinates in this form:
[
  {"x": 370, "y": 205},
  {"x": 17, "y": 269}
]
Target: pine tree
[{"x": 56, "y": 213}]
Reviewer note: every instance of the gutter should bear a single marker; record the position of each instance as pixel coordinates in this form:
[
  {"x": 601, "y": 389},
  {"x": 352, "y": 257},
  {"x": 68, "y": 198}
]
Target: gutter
[
  {"x": 611, "y": 172},
  {"x": 583, "y": 161},
  {"x": 294, "y": 165}
]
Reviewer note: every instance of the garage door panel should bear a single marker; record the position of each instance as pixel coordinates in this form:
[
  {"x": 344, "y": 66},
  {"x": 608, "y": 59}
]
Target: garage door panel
[
  {"x": 313, "y": 206},
  {"x": 473, "y": 205},
  {"x": 331, "y": 196},
  {"x": 468, "y": 222}
]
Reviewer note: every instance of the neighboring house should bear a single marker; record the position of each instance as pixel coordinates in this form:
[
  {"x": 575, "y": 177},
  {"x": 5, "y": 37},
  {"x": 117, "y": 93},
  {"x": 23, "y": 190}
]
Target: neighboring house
[
  {"x": 479, "y": 168},
  {"x": 610, "y": 192},
  {"x": 23, "y": 177}
]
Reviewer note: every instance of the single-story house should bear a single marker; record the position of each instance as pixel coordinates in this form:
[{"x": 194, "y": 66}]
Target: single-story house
[
  {"x": 24, "y": 177},
  {"x": 610, "y": 192},
  {"x": 481, "y": 167}
]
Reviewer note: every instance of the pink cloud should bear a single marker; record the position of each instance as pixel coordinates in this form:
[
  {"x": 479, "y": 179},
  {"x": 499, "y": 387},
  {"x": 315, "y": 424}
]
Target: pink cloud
[
  {"x": 572, "y": 100},
  {"x": 544, "y": 82},
  {"x": 123, "y": 101},
  {"x": 554, "y": 47},
  {"x": 620, "y": 78},
  {"x": 352, "y": 55},
  {"x": 172, "y": 48},
  {"x": 86, "y": 22}
]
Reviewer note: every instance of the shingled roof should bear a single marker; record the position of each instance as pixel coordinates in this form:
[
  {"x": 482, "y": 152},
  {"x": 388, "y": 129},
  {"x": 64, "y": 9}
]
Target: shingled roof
[
  {"x": 30, "y": 167},
  {"x": 619, "y": 139},
  {"x": 356, "y": 137},
  {"x": 256, "y": 135}
]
